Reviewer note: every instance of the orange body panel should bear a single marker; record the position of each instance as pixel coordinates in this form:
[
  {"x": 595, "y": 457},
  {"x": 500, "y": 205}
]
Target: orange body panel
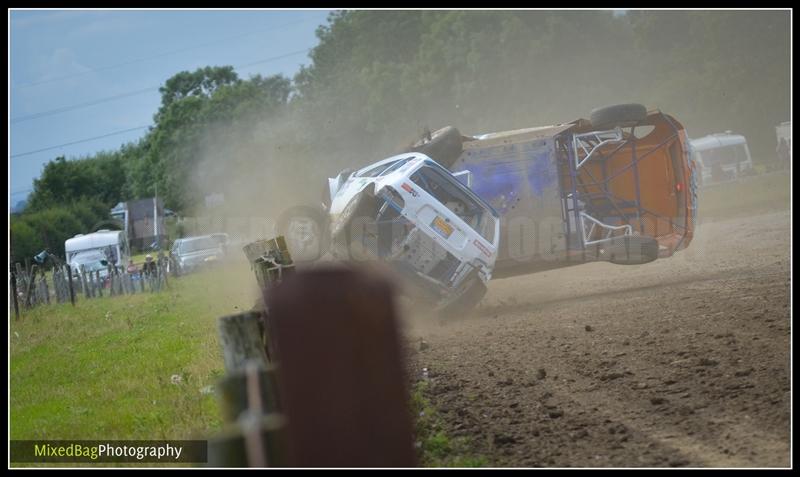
[{"x": 661, "y": 172}]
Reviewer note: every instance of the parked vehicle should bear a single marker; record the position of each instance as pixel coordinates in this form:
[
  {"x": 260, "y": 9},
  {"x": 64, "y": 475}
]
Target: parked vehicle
[
  {"x": 222, "y": 240},
  {"x": 783, "y": 133},
  {"x": 721, "y": 157},
  {"x": 92, "y": 262},
  {"x": 111, "y": 245},
  {"x": 191, "y": 253}
]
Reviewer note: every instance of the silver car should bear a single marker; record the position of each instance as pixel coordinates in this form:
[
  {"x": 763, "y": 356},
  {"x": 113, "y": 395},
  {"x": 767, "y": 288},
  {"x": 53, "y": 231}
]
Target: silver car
[{"x": 188, "y": 254}]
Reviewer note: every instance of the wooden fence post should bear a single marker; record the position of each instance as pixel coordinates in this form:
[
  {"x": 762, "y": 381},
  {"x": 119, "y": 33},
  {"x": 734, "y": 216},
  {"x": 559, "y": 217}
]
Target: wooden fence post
[
  {"x": 237, "y": 390},
  {"x": 120, "y": 281},
  {"x": 341, "y": 376},
  {"x": 54, "y": 276},
  {"x": 86, "y": 283},
  {"x": 253, "y": 441},
  {"x": 111, "y": 291},
  {"x": 240, "y": 337},
  {"x": 90, "y": 284},
  {"x": 71, "y": 291},
  {"x": 99, "y": 283},
  {"x": 45, "y": 289},
  {"x": 14, "y": 293},
  {"x": 31, "y": 282},
  {"x": 57, "y": 286}
]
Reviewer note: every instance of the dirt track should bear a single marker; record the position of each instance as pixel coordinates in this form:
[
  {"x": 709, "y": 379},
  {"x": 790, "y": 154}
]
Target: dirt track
[{"x": 681, "y": 362}]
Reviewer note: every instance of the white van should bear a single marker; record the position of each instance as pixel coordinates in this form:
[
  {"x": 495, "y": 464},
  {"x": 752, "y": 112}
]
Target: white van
[
  {"x": 91, "y": 249},
  {"x": 722, "y": 156}
]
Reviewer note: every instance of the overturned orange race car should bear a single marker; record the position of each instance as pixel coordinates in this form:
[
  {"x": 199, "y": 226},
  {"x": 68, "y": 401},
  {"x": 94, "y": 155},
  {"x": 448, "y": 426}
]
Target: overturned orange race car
[{"x": 618, "y": 187}]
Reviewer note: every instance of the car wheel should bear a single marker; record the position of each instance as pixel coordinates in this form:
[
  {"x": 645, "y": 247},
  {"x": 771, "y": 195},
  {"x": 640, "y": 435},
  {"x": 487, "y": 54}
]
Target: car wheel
[
  {"x": 304, "y": 229},
  {"x": 463, "y": 300},
  {"x": 363, "y": 205},
  {"x": 631, "y": 250},
  {"x": 443, "y": 146},
  {"x": 622, "y": 115}
]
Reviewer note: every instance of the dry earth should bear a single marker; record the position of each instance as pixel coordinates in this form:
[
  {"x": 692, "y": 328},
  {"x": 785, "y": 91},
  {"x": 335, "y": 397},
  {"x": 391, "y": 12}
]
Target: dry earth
[{"x": 681, "y": 362}]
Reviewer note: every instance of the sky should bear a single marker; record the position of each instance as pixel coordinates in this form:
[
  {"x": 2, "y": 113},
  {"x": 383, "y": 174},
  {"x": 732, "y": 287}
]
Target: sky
[{"x": 61, "y": 61}]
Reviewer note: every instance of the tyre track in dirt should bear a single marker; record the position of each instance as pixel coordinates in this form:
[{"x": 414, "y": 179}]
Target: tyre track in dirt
[{"x": 683, "y": 362}]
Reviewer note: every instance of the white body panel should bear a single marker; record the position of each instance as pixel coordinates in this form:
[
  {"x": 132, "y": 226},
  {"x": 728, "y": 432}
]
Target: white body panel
[
  {"x": 113, "y": 241},
  {"x": 726, "y": 151},
  {"x": 424, "y": 211}
]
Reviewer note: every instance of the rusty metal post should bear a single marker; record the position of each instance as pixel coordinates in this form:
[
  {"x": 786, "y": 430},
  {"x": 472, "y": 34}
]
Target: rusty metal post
[{"x": 341, "y": 376}]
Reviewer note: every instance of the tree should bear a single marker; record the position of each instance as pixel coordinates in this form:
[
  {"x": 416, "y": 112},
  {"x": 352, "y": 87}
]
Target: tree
[
  {"x": 100, "y": 177},
  {"x": 201, "y": 82}
]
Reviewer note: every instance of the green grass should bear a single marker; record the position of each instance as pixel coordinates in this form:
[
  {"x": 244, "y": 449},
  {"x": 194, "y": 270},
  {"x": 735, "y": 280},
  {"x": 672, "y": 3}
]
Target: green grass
[
  {"x": 435, "y": 447},
  {"x": 102, "y": 370}
]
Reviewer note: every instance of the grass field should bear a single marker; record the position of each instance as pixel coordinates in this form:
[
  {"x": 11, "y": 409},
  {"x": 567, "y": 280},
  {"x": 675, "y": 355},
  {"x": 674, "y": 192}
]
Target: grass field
[{"x": 103, "y": 369}]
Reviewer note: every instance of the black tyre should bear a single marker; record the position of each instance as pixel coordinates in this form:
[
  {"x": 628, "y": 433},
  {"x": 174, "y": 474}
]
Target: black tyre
[
  {"x": 631, "y": 250},
  {"x": 622, "y": 115},
  {"x": 465, "y": 299},
  {"x": 305, "y": 230},
  {"x": 443, "y": 146},
  {"x": 363, "y": 205}
]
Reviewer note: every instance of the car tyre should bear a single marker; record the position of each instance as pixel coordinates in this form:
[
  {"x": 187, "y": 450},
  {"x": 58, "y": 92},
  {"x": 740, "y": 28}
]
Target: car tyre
[
  {"x": 465, "y": 299},
  {"x": 319, "y": 220},
  {"x": 622, "y": 115},
  {"x": 631, "y": 250},
  {"x": 443, "y": 146}
]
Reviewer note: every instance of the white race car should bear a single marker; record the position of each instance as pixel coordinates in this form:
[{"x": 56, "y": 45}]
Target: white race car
[{"x": 415, "y": 215}]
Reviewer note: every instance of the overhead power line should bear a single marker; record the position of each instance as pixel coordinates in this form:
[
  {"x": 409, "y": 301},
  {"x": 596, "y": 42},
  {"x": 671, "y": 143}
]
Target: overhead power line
[
  {"x": 73, "y": 107},
  {"x": 286, "y": 55},
  {"x": 64, "y": 109},
  {"x": 159, "y": 55},
  {"x": 78, "y": 141}
]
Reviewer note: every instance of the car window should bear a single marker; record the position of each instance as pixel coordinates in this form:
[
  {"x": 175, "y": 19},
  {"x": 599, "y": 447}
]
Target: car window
[
  {"x": 377, "y": 170},
  {"x": 452, "y": 194},
  {"x": 724, "y": 155},
  {"x": 91, "y": 262},
  {"x": 394, "y": 166},
  {"x": 198, "y": 244}
]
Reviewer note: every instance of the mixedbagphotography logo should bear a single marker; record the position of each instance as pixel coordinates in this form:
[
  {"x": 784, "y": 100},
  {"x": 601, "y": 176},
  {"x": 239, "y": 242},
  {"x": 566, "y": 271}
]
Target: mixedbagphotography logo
[{"x": 28, "y": 451}]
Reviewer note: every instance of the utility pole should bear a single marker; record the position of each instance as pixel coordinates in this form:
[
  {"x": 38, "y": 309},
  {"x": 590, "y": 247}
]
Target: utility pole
[{"x": 155, "y": 216}]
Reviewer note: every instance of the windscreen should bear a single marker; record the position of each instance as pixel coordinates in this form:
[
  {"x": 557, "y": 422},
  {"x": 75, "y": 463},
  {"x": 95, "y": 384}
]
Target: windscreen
[
  {"x": 91, "y": 261},
  {"x": 456, "y": 197},
  {"x": 198, "y": 244},
  {"x": 724, "y": 155}
]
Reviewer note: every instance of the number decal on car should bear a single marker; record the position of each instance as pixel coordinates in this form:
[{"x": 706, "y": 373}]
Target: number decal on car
[{"x": 441, "y": 227}]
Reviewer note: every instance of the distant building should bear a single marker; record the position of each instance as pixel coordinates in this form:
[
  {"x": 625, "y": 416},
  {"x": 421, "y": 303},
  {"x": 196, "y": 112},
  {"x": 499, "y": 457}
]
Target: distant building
[{"x": 137, "y": 217}]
